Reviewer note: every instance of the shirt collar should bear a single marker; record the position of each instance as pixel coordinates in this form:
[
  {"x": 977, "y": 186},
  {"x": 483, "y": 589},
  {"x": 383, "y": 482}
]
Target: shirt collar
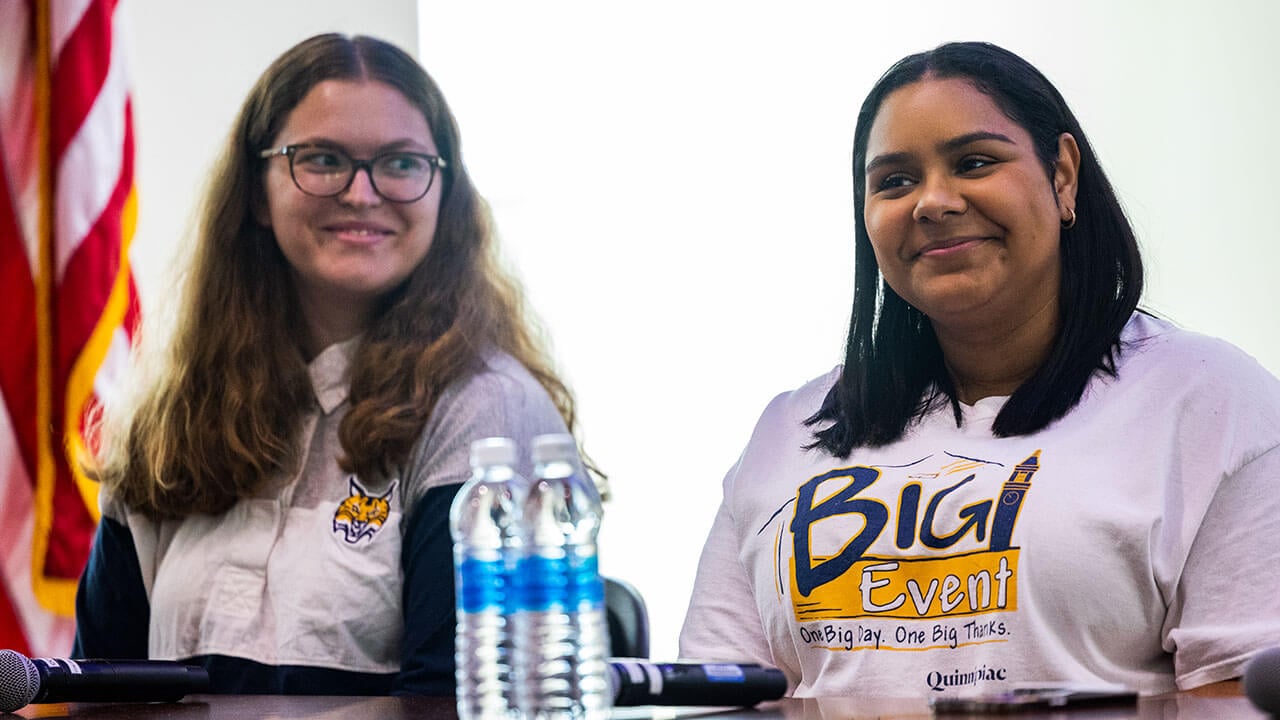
[{"x": 329, "y": 371}]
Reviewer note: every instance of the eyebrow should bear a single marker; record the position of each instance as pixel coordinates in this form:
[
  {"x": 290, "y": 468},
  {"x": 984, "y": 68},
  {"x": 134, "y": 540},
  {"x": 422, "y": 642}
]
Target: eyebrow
[
  {"x": 967, "y": 138},
  {"x": 947, "y": 146},
  {"x": 399, "y": 145}
]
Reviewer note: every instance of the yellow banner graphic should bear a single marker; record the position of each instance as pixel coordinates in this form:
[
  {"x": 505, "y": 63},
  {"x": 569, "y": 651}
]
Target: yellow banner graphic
[{"x": 914, "y": 588}]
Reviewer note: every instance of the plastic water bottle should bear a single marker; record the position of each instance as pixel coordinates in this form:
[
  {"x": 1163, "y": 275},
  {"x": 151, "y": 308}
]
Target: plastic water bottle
[
  {"x": 562, "y": 643},
  {"x": 483, "y": 521}
]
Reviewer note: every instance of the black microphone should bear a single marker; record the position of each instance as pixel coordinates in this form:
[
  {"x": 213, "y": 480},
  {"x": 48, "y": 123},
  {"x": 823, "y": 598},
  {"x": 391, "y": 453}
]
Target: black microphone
[
  {"x": 639, "y": 682},
  {"x": 52, "y": 680},
  {"x": 1262, "y": 680}
]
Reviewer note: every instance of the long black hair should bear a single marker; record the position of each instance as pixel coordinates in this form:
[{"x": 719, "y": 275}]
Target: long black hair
[{"x": 893, "y": 371}]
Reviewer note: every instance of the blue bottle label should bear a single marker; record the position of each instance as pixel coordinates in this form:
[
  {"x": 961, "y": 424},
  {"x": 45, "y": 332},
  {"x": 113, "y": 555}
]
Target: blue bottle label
[
  {"x": 586, "y": 589},
  {"x": 540, "y": 583},
  {"x": 481, "y": 585}
]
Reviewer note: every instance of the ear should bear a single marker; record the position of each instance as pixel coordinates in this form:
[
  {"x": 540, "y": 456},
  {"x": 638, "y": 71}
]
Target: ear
[
  {"x": 387, "y": 495},
  {"x": 1066, "y": 175}
]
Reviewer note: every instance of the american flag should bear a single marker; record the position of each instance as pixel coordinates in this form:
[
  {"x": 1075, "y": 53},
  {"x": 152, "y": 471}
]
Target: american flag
[{"x": 68, "y": 304}]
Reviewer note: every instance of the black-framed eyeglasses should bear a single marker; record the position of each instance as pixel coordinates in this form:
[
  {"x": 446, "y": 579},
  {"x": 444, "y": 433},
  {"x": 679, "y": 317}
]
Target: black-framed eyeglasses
[{"x": 326, "y": 171}]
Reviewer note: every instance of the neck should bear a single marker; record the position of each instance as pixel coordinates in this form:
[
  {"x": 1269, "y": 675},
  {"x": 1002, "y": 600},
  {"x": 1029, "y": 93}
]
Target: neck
[
  {"x": 995, "y": 360},
  {"x": 331, "y": 319}
]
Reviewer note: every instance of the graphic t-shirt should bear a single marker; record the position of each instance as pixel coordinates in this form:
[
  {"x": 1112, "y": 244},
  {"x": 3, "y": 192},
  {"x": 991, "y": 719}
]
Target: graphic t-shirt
[{"x": 1130, "y": 542}]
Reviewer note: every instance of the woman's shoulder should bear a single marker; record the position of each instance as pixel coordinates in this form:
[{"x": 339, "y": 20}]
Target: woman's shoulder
[
  {"x": 789, "y": 411},
  {"x": 498, "y": 376},
  {"x": 1201, "y": 376},
  {"x": 781, "y": 441},
  {"x": 499, "y": 398},
  {"x": 1153, "y": 344}
]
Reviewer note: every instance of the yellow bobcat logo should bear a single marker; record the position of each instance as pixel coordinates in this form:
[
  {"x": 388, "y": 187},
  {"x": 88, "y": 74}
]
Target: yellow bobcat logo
[{"x": 361, "y": 515}]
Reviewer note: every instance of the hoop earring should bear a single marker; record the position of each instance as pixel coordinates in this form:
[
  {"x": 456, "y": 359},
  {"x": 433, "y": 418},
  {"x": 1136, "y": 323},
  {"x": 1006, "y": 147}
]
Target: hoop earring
[{"x": 1071, "y": 221}]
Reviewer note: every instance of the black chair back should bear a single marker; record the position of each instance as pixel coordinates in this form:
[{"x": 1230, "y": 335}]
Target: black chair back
[{"x": 628, "y": 620}]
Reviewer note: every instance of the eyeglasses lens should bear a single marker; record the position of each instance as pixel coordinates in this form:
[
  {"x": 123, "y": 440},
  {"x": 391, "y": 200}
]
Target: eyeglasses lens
[{"x": 397, "y": 176}]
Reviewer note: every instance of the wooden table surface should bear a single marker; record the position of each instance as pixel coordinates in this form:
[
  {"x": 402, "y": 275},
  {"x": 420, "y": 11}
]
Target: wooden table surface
[{"x": 301, "y": 707}]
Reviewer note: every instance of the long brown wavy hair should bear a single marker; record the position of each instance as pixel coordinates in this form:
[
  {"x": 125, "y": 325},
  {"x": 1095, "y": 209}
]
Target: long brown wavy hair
[{"x": 220, "y": 410}]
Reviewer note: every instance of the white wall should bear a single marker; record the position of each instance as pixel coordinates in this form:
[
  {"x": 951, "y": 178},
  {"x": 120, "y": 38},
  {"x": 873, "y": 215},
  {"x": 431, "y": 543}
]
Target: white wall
[{"x": 671, "y": 179}]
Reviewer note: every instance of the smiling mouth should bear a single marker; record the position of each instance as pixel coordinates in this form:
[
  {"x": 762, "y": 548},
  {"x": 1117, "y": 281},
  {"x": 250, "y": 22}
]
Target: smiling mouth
[
  {"x": 358, "y": 234},
  {"x": 361, "y": 231},
  {"x": 951, "y": 246}
]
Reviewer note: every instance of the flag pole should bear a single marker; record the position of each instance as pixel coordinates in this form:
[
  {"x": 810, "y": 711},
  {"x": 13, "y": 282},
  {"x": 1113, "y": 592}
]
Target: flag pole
[{"x": 45, "y": 270}]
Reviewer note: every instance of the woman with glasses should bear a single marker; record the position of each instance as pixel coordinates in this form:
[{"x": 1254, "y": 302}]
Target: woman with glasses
[
  {"x": 1016, "y": 477},
  {"x": 275, "y": 499}
]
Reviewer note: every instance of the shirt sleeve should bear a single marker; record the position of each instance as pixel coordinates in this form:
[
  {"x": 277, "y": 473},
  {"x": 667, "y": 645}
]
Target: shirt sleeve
[
  {"x": 426, "y": 663},
  {"x": 503, "y": 400},
  {"x": 723, "y": 622},
  {"x": 1226, "y": 607},
  {"x": 112, "y": 611}
]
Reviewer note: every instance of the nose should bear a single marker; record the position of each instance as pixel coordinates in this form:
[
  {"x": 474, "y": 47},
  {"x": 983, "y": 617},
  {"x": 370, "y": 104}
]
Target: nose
[
  {"x": 360, "y": 191},
  {"x": 938, "y": 197}
]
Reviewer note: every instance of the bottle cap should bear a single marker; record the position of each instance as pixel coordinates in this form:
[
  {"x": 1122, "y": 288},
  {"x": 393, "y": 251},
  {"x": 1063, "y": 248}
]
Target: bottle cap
[
  {"x": 493, "y": 451},
  {"x": 549, "y": 448}
]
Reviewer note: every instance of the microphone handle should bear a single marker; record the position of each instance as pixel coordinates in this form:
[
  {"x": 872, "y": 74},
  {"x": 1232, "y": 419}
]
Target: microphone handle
[
  {"x": 63, "y": 680},
  {"x": 719, "y": 684}
]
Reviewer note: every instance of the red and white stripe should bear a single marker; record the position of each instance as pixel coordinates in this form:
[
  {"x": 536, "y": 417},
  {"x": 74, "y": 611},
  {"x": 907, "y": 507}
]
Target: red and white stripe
[{"x": 68, "y": 306}]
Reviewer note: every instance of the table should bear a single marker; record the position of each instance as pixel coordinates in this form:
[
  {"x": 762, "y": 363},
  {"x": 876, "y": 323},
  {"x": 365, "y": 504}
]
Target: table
[{"x": 302, "y": 707}]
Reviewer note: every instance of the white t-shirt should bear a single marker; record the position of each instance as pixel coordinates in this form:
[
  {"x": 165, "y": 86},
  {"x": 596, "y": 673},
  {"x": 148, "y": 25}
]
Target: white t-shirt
[{"x": 1135, "y": 541}]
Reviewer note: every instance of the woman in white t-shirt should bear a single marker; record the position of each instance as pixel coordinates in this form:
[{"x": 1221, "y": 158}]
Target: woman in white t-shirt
[{"x": 1016, "y": 476}]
